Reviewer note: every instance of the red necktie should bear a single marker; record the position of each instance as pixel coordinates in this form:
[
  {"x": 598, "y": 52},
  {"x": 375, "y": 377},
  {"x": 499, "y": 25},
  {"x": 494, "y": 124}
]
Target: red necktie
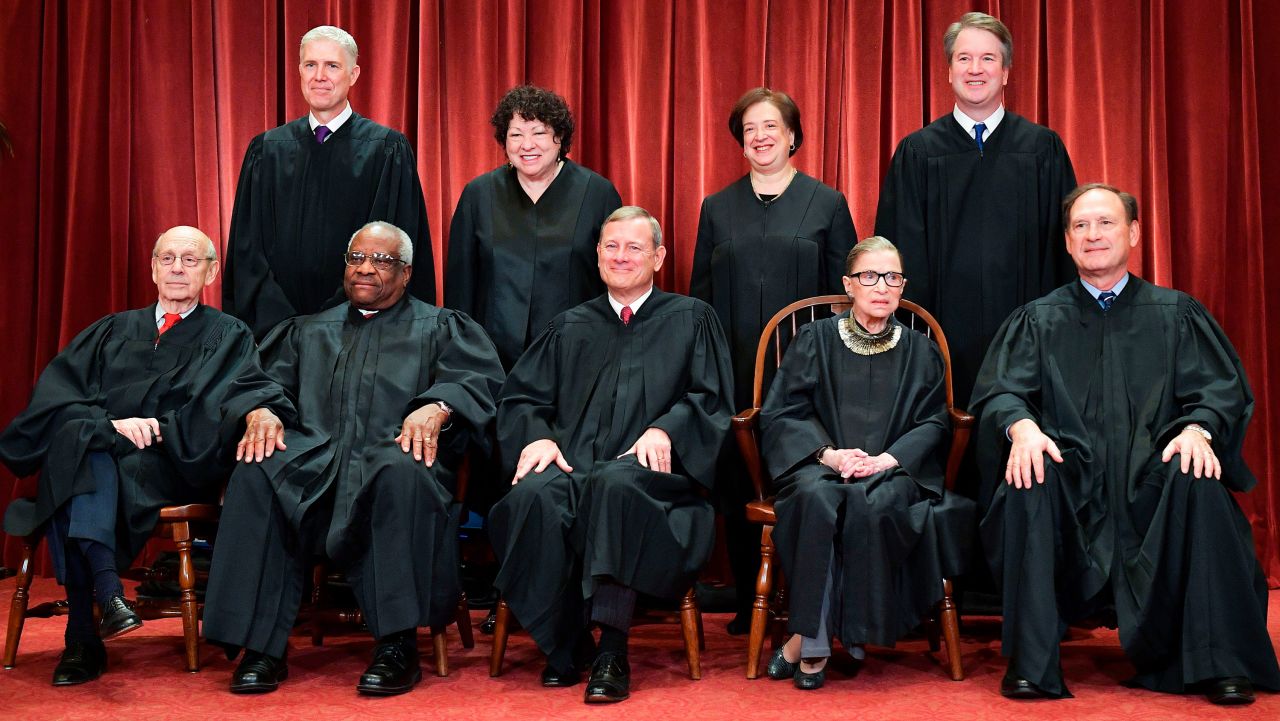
[
  {"x": 626, "y": 315},
  {"x": 170, "y": 320}
]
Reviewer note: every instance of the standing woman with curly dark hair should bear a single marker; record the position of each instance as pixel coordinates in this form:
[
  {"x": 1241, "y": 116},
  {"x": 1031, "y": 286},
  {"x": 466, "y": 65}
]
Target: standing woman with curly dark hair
[{"x": 523, "y": 238}]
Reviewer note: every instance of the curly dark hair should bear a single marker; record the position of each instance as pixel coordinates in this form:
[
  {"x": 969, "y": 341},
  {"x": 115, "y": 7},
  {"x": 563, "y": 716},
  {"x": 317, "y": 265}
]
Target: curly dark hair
[{"x": 533, "y": 103}]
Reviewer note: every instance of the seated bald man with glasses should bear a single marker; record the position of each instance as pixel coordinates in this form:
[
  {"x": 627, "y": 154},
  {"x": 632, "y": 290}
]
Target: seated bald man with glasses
[
  {"x": 381, "y": 396},
  {"x": 126, "y": 420}
]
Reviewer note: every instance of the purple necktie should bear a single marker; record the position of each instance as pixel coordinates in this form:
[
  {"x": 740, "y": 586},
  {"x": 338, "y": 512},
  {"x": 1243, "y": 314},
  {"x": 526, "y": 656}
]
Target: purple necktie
[{"x": 322, "y": 132}]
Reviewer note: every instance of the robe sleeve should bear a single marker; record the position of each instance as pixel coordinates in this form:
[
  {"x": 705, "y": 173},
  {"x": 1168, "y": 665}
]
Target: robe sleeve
[
  {"x": 841, "y": 237},
  {"x": 924, "y": 392},
  {"x": 1210, "y": 386},
  {"x": 699, "y": 421},
  {"x": 67, "y": 391},
  {"x": 1008, "y": 390},
  {"x": 467, "y": 374},
  {"x": 407, "y": 209},
  {"x": 901, "y": 216},
  {"x": 700, "y": 278},
  {"x": 527, "y": 402},
  {"x": 790, "y": 431},
  {"x": 460, "y": 278},
  {"x": 1057, "y": 179},
  {"x": 249, "y": 288}
]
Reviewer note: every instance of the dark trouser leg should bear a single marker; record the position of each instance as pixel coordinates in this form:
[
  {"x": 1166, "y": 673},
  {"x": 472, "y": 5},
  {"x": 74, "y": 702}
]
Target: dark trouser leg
[
  {"x": 819, "y": 645},
  {"x": 256, "y": 580},
  {"x": 613, "y": 607},
  {"x": 78, "y": 580}
]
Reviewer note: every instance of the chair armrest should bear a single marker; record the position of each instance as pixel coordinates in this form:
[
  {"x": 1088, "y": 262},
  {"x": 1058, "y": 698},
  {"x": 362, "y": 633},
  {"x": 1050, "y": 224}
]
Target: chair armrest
[
  {"x": 961, "y": 428},
  {"x": 744, "y": 429}
]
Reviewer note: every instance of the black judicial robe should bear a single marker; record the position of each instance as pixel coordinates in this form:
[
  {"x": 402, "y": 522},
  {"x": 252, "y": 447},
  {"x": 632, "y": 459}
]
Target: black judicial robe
[
  {"x": 514, "y": 264},
  {"x": 882, "y": 526},
  {"x": 980, "y": 233},
  {"x": 1176, "y": 553},
  {"x": 116, "y": 369},
  {"x": 594, "y": 386},
  {"x": 753, "y": 258},
  {"x": 297, "y": 204},
  {"x": 343, "y": 384}
]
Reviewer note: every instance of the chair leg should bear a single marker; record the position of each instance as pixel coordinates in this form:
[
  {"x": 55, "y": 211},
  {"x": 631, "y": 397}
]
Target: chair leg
[
  {"x": 463, "y": 619},
  {"x": 187, "y": 595},
  {"x": 18, "y": 606},
  {"x": 951, "y": 630},
  {"x": 439, "y": 642},
  {"x": 689, "y": 622},
  {"x": 760, "y": 607},
  {"x": 319, "y": 574},
  {"x": 499, "y": 638}
]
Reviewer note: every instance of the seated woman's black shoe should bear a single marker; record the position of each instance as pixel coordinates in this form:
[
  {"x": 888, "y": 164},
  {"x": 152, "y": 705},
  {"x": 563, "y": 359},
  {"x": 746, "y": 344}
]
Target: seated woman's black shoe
[
  {"x": 118, "y": 619},
  {"x": 810, "y": 681},
  {"x": 779, "y": 667},
  {"x": 610, "y": 679},
  {"x": 1232, "y": 691},
  {"x": 81, "y": 661},
  {"x": 1017, "y": 687},
  {"x": 258, "y": 673},
  {"x": 394, "y": 670}
]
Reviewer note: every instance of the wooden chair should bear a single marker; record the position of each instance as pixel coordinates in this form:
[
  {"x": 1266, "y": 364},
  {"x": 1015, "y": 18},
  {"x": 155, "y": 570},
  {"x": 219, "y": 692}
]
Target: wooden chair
[
  {"x": 769, "y": 606},
  {"x": 690, "y": 628},
  {"x": 322, "y": 613},
  {"x": 178, "y": 523}
]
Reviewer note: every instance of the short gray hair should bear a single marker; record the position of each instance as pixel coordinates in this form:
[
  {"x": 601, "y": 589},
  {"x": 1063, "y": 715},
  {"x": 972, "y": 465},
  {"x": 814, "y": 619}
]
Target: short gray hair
[
  {"x": 979, "y": 21},
  {"x": 869, "y": 245},
  {"x": 630, "y": 212},
  {"x": 404, "y": 246},
  {"x": 211, "y": 248},
  {"x": 337, "y": 35}
]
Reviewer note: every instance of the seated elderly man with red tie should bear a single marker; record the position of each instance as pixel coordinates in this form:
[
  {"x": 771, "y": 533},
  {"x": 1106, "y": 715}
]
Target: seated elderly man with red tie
[
  {"x": 615, "y": 414},
  {"x": 126, "y": 420}
]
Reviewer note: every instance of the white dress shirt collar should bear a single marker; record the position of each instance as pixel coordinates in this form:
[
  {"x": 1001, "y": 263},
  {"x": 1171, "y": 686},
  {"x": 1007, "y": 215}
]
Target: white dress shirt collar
[
  {"x": 635, "y": 304},
  {"x": 332, "y": 125},
  {"x": 967, "y": 122}
]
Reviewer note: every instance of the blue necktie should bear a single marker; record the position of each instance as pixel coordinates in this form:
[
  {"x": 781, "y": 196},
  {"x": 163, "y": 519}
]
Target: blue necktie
[
  {"x": 322, "y": 132},
  {"x": 978, "y": 131},
  {"x": 1105, "y": 299}
]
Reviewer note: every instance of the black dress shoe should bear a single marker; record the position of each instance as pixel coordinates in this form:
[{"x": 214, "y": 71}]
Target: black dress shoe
[
  {"x": 394, "y": 669},
  {"x": 810, "y": 681},
  {"x": 1232, "y": 691},
  {"x": 779, "y": 667},
  {"x": 610, "y": 679},
  {"x": 258, "y": 673},
  {"x": 81, "y": 661},
  {"x": 118, "y": 619},
  {"x": 553, "y": 677},
  {"x": 1012, "y": 686}
]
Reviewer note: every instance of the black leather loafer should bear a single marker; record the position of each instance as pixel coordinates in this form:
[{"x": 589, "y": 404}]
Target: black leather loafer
[
  {"x": 81, "y": 661},
  {"x": 779, "y": 667},
  {"x": 394, "y": 670},
  {"x": 1232, "y": 691},
  {"x": 1018, "y": 687},
  {"x": 258, "y": 673},
  {"x": 555, "y": 678},
  {"x": 810, "y": 681},
  {"x": 610, "y": 680},
  {"x": 118, "y": 619}
]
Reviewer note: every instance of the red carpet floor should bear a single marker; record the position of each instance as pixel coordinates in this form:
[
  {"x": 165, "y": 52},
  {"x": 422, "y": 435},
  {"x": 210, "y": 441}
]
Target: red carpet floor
[{"x": 146, "y": 681}]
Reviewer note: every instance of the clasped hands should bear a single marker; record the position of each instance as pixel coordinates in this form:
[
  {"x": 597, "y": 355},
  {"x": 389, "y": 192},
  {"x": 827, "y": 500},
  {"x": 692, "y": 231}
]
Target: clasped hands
[
  {"x": 419, "y": 434},
  {"x": 855, "y": 462},
  {"x": 1031, "y": 445},
  {"x": 652, "y": 449}
]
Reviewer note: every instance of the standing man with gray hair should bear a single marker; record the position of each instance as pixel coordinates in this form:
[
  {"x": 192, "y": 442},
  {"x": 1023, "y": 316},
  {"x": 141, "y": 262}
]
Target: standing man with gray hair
[
  {"x": 972, "y": 201},
  {"x": 306, "y": 186}
]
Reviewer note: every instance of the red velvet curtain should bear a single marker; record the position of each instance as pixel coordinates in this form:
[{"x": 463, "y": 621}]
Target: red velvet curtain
[{"x": 130, "y": 117}]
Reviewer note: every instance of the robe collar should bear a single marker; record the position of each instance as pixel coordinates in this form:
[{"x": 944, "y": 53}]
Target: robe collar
[
  {"x": 635, "y": 304},
  {"x": 332, "y": 125}
]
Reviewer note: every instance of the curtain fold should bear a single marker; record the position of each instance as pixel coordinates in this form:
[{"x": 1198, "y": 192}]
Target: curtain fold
[{"x": 130, "y": 117}]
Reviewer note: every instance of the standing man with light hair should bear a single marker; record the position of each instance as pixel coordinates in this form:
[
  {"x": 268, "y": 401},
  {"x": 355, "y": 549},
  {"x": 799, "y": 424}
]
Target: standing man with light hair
[
  {"x": 306, "y": 186},
  {"x": 972, "y": 201}
]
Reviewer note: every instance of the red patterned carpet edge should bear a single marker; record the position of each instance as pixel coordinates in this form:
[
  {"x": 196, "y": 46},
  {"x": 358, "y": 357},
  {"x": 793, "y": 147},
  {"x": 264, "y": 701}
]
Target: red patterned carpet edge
[{"x": 146, "y": 681}]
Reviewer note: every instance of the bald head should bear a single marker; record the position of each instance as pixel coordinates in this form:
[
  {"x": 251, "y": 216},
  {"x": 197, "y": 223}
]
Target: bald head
[
  {"x": 183, "y": 262},
  {"x": 188, "y": 235}
]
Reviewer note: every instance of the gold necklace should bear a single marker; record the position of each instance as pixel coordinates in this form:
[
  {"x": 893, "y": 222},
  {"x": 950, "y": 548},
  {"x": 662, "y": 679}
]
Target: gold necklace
[
  {"x": 780, "y": 192},
  {"x": 863, "y": 342}
]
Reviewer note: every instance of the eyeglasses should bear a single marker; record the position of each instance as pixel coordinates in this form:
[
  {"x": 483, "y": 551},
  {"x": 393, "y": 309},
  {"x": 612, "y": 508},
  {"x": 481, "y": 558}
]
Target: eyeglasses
[
  {"x": 188, "y": 261},
  {"x": 381, "y": 261},
  {"x": 892, "y": 278},
  {"x": 631, "y": 251}
]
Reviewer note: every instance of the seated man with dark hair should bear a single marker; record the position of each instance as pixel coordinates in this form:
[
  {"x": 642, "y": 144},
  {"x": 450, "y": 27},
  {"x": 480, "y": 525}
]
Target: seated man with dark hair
[
  {"x": 616, "y": 414},
  {"x": 124, "y": 421},
  {"x": 1112, "y": 417},
  {"x": 385, "y": 392}
]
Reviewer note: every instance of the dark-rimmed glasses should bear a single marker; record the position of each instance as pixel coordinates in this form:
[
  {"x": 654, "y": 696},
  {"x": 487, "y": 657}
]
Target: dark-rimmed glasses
[
  {"x": 381, "y": 261},
  {"x": 892, "y": 278},
  {"x": 188, "y": 261}
]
